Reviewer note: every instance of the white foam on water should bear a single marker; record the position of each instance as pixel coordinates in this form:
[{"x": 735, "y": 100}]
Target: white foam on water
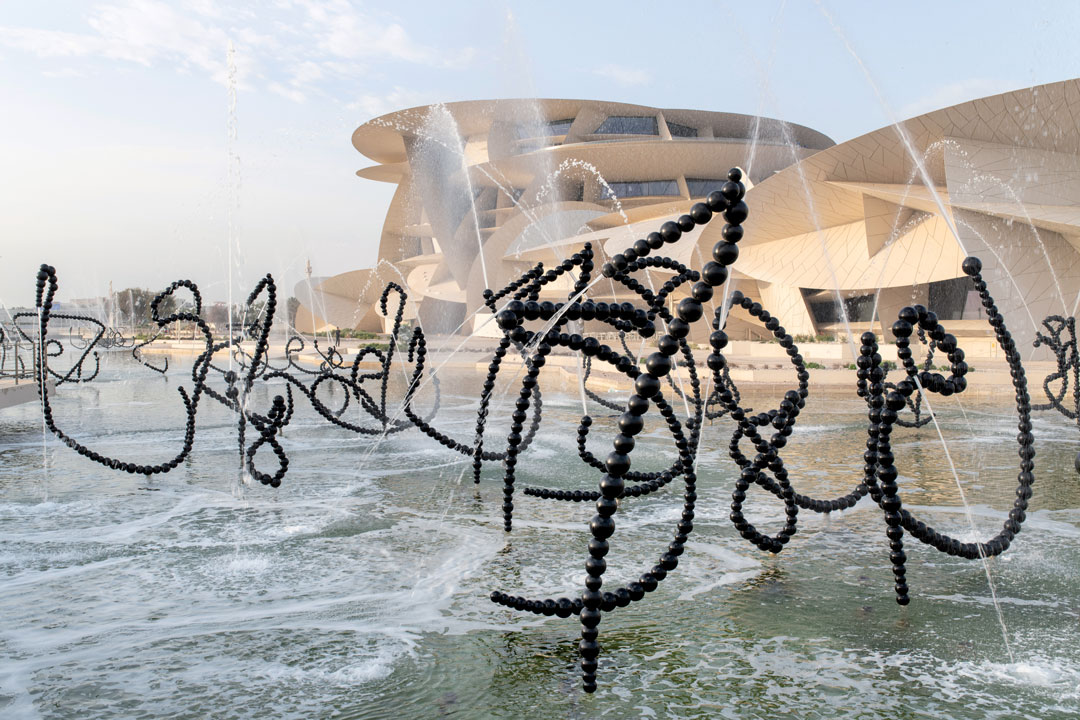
[
  {"x": 241, "y": 564},
  {"x": 364, "y": 671},
  {"x": 1054, "y": 678}
]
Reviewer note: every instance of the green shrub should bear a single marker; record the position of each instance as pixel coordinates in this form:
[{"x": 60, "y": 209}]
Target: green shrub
[
  {"x": 359, "y": 334},
  {"x": 822, "y": 338}
]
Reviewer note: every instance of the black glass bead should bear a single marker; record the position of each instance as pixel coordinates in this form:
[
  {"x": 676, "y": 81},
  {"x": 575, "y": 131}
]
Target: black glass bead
[
  {"x": 700, "y": 213},
  {"x": 737, "y": 213},
  {"x": 658, "y": 364},
  {"x": 689, "y": 310},
  {"x": 716, "y": 201},
  {"x": 670, "y": 232},
  {"x": 725, "y": 253},
  {"x": 714, "y": 273}
]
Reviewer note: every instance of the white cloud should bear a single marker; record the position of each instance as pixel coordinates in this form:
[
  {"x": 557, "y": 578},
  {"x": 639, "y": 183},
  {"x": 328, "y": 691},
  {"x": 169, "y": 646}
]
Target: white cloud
[
  {"x": 143, "y": 32},
  {"x": 371, "y": 106},
  {"x": 624, "y": 76},
  {"x": 306, "y": 44},
  {"x": 49, "y": 43},
  {"x": 342, "y": 31}
]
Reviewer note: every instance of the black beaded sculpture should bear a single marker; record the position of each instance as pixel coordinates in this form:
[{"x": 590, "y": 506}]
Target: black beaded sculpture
[
  {"x": 12, "y": 363},
  {"x": 1068, "y": 370},
  {"x": 533, "y": 328},
  {"x": 879, "y": 472},
  {"x": 102, "y": 337}
]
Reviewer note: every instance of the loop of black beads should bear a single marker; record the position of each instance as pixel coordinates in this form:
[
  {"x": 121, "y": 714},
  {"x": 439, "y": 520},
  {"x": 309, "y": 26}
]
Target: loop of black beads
[
  {"x": 881, "y": 472},
  {"x": 904, "y": 354},
  {"x": 1067, "y": 358},
  {"x": 54, "y": 348}
]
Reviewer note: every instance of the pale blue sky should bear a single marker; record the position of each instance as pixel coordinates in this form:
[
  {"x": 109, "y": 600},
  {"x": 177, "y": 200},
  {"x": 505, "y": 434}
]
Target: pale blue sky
[{"x": 113, "y": 115}]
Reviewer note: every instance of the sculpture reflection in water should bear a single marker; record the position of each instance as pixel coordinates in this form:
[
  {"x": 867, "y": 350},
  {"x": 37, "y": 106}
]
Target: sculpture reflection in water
[{"x": 532, "y": 329}]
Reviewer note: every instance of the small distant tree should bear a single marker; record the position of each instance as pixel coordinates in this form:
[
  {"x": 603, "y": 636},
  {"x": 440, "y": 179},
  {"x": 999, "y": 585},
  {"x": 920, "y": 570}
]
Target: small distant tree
[
  {"x": 133, "y": 305},
  {"x": 217, "y": 314}
]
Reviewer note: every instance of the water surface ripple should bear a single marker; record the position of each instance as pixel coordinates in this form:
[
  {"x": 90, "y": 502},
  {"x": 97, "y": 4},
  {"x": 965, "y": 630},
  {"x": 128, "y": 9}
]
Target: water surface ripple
[{"x": 361, "y": 591}]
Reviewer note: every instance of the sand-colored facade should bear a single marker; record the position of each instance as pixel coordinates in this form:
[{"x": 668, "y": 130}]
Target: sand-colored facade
[{"x": 838, "y": 235}]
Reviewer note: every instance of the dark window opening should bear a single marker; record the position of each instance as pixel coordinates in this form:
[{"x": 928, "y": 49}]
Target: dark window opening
[
  {"x": 642, "y": 188},
  {"x": 701, "y": 187},
  {"x": 678, "y": 130},
  {"x": 411, "y": 247},
  {"x": 826, "y": 310},
  {"x": 954, "y": 300},
  {"x": 511, "y": 196},
  {"x": 628, "y": 125},
  {"x": 559, "y": 127},
  {"x": 548, "y": 129}
]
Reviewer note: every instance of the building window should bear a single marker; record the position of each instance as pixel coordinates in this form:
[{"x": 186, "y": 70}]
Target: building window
[
  {"x": 548, "y": 129},
  {"x": 511, "y": 196},
  {"x": 954, "y": 300},
  {"x": 644, "y": 188},
  {"x": 825, "y": 310},
  {"x": 559, "y": 127},
  {"x": 628, "y": 125},
  {"x": 701, "y": 187},
  {"x": 678, "y": 130},
  {"x": 411, "y": 247}
]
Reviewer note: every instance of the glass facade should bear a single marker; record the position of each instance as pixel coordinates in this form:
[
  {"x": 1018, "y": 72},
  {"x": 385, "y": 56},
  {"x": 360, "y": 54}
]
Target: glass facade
[
  {"x": 548, "y": 129},
  {"x": 628, "y": 125},
  {"x": 678, "y": 130},
  {"x": 411, "y": 246},
  {"x": 825, "y": 309},
  {"x": 641, "y": 188},
  {"x": 950, "y": 299},
  {"x": 955, "y": 300},
  {"x": 559, "y": 127},
  {"x": 701, "y": 187}
]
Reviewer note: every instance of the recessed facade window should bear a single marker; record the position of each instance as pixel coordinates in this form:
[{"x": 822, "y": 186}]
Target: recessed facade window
[
  {"x": 701, "y": 187},
  {"x": 411, "y": 246},
  {"x": 825, "y": 310},
  {"x": 644, "y": 188},
  {"x": 548, "y": 129},
  {"x": 682, "y": 131},
  {"x": 954, "y": 300},
  {"x": 628, "y": 125},
  {"x": 559, "y": 127}
]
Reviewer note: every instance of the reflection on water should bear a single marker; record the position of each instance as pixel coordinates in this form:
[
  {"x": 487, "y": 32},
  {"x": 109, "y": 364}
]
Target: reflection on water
[{"x": 360, "y": 589}]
